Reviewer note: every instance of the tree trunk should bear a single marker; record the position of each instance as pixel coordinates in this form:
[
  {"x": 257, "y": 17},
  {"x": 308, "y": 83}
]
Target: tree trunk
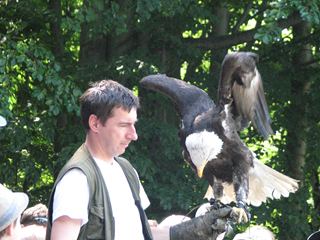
[
  {"x": 300, "y": 136},
  {"x": 58, "y": 50},
  {"x": 296, "y": 139},
  {"x": 92, "y": 50},
  {"x": 217, "y": 56},
  {"x": 297, "y": 133}
]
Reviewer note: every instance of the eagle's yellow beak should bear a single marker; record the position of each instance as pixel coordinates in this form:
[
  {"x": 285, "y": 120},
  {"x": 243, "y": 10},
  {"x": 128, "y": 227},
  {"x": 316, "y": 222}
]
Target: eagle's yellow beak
[{"x": 200, "y": 169}]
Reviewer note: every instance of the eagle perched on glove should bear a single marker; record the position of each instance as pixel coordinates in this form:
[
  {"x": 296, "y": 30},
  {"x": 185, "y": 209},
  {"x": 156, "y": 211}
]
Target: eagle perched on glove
[{"x": 209, "y": 133}]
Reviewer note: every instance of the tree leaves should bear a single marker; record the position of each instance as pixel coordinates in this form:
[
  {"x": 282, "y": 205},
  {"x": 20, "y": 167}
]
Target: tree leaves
[{"x": 40, "y": 84}]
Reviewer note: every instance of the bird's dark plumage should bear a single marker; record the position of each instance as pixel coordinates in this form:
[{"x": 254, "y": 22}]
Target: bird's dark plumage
[
  {"x": 209, "y": 133},
  {"x": 241, "y": 83}
]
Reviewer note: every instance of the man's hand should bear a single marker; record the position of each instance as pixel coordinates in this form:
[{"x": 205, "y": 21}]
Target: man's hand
[{"x": 205, "y": 227}]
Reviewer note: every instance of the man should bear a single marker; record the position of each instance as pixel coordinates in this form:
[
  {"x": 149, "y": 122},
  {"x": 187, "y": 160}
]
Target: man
[
  {"x": 36, "y": 215},
  {"x": 34, "y": 222},
  {"x": 98, "y": 195},
  {"x": 11, "y": 207}
]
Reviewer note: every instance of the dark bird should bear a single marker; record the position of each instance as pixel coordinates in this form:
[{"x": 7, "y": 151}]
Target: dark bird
[{"x": 209, "y": 133}]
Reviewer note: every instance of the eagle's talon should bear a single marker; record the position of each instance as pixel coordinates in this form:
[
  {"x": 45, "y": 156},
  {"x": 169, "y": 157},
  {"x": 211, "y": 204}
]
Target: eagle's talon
[
  {"x": 216, "y": 204},
  {"x": 243, "y": 214}
]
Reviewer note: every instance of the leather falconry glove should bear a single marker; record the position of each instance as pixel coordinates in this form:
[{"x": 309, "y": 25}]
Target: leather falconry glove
[{"x": 205, "y": 227}]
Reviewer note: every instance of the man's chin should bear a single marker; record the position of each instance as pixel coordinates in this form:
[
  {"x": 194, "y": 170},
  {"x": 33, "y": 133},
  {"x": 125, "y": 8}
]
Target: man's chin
[{"x": 121, "y": 152}]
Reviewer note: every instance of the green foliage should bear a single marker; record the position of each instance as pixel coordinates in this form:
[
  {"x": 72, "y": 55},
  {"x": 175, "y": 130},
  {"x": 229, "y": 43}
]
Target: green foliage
[
  {"x": 269, "y": 32},
  {"x": 46, "y": 62},
  {"x": 32, "y": 94}
]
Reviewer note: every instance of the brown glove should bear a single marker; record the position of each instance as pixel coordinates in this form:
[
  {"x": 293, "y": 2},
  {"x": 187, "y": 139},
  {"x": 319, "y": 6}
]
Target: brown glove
[{"x": 205, "y": 227}]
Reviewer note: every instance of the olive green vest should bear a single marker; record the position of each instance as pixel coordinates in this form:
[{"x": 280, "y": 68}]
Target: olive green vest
[{"x": 101, "y": 222}]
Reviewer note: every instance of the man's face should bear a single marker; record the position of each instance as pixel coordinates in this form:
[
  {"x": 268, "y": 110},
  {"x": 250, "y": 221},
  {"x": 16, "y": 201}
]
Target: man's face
[{"x": 118, "y": 132}]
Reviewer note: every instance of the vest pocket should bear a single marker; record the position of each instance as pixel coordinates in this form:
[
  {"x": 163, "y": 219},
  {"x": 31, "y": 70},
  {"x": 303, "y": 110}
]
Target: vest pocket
[{"x": 96, "y": 223}]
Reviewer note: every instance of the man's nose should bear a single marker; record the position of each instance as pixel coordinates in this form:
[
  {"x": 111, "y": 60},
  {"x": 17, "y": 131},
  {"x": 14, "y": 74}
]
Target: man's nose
[{"x": 133, "y": 134}]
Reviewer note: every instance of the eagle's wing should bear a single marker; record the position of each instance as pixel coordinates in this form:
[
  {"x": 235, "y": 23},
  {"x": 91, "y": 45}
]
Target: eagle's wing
[
  {"x": 189, "y": 100},
  {"x": 264, "y": 182},
  {"x": 241, "y": 83}
]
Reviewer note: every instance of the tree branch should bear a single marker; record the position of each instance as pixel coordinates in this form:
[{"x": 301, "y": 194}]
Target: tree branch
[
  {"x": 227, "y": 41},
  {"x": 242, "y": 18}
]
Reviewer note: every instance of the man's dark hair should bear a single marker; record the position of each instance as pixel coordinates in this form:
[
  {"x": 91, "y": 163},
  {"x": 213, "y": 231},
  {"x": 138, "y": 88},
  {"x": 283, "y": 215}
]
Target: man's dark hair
[
  {"x": 37, "y": 215},
  {"x": 102, "y": 98}
]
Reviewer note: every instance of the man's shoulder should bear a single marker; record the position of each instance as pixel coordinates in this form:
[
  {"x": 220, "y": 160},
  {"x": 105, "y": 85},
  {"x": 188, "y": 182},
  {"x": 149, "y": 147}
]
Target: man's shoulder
[{"x": 80, "y": 159}]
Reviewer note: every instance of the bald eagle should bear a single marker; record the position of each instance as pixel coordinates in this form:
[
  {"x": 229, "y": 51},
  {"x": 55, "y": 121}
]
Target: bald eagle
[{"x": 209, "y": 133}]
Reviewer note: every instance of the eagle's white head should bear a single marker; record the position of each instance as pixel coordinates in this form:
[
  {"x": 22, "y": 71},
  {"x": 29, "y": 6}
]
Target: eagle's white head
[{"x": 203, "y": 147}]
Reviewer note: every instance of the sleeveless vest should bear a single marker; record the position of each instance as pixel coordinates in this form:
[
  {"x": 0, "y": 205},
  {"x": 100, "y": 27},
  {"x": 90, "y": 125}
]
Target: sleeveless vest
[{"x": 101, "y": 223}]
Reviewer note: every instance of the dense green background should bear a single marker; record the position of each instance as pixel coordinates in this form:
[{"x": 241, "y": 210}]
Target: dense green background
[{"x": 51, "y": 50}]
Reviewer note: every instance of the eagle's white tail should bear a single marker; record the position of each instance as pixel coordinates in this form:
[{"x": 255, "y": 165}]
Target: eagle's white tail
[{"x": 264, "y": 182}]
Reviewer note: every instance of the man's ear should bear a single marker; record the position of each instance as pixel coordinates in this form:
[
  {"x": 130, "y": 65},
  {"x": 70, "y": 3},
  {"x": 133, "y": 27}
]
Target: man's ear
[
  {"x": 93, "y": 122},
  {"x": 9, "y": 229}
]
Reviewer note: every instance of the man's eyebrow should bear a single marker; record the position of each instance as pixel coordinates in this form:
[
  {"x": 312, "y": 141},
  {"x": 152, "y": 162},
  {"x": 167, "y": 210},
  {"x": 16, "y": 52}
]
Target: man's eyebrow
[{"x": 128, "y": 122}]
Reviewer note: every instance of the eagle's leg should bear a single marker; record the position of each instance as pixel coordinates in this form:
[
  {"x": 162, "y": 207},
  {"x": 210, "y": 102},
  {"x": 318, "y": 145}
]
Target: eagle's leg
[
  {"x": 217, "y": 189},
  {"x": 241, "y": 188},
  {"x": 215, "y": 203}
]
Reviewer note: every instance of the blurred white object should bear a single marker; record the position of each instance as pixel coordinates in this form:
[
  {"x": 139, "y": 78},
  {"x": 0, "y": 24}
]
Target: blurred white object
[
  {"x": 256, "y": 233},
  {"x": 3, "y": 121},
  {"x": 202, "y": 209},
  {"x": 153, "y": 223},
  {"x": 173, "y": 220}
]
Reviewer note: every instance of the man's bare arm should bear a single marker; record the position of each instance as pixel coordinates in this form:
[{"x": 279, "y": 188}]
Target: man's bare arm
[
  {"x": 160, "y": 233},
  {"x": 65, "y": 228}
]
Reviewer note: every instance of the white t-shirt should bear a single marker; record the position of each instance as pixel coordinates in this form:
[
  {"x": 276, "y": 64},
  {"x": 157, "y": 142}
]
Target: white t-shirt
[{"x": 71, "y": 199}]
